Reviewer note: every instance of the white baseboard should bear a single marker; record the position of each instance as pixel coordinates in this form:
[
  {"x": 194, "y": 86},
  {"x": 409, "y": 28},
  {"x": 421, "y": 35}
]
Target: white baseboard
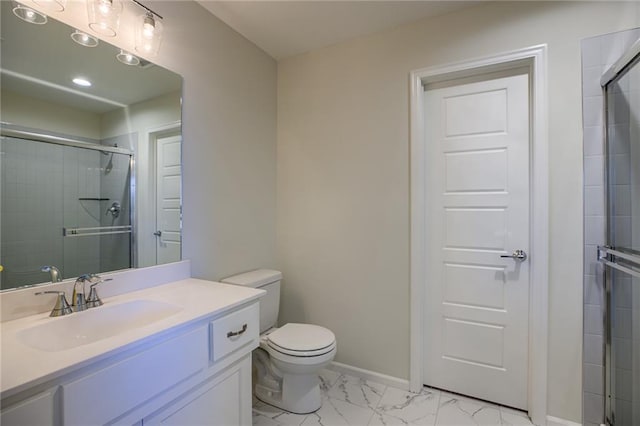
[
  {"x": 556, "y": 421},
  {"x": 369, "y": 375}
]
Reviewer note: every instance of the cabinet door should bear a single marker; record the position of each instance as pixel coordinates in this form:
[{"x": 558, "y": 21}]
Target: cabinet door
[
  {"x": 35, "y": 411},
  {"x": 222, "y": 401}
]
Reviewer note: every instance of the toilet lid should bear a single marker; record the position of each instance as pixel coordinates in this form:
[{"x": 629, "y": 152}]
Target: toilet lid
[{"x": 302, "y": 337}]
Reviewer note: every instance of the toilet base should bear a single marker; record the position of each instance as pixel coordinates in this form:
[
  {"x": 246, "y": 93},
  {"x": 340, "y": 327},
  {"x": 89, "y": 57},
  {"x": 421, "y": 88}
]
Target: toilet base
[{"x": 300, "y": 394}]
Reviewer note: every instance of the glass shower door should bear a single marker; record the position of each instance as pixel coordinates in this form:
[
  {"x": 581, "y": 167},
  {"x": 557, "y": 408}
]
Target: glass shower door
[
  {"x": 622, "y": 253},
  {"x": 65, "y": 206}
]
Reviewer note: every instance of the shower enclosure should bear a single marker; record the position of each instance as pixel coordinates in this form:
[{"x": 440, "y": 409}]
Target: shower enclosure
[
  {"x": 621, "y": 254},
  {"x": 65, "y": 203}
]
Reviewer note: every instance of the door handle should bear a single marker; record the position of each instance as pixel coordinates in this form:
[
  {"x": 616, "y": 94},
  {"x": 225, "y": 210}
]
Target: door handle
[
  {"x": 519, "y": 255},
  {"x": 158, "y": 233}
]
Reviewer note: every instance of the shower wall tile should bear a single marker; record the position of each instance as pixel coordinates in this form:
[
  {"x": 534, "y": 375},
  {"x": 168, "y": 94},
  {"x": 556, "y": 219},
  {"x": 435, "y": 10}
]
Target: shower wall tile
[
  {"x": 593, "y": 407},
  {"x": 593, "y": 349},
  {"x": 593, "y": 320},
  {"x": 611, "y": 48},
  {"x": 594, "y": 201},
  {"x": 623, "y": 295},
  {"x": 621, "y": 169},
  {"x": 624, "y": 410},
  {"x": 623, "y": 354},
  {"x": 591, "y": 52},
  {"x": 623, "y": 328},
  {"x": 591, "y": 81},
  {"x": 593, "y": 141},
  {"x": 624, "y": 384},
  {"x": 620, "y": 142},
  {"x": 622, "y": 231},
  {"x": 594, "y": 170},
  {"x": 594, "y": 230},
  {"x": 593, "y": 378},
  {"x": 592, "y": 111},
  {"x": 590, "y": 253},
  {"x": 594, "y": 291},
  {"x": 622, "y": 196}
]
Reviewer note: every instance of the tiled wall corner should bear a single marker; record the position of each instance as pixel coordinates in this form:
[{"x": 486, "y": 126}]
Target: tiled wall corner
[
  {"x": 598, "y": 54},
  {"x": 594, "y": 223}
]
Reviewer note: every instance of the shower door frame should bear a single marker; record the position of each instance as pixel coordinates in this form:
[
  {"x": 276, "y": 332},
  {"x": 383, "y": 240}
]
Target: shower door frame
[
  {"x": 9, "y": 130},
  {"x": 625, "y": 63}
]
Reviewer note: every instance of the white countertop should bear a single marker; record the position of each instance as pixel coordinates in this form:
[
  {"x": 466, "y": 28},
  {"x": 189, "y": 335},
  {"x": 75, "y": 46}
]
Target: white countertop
[{"x": 24, "y": 366}]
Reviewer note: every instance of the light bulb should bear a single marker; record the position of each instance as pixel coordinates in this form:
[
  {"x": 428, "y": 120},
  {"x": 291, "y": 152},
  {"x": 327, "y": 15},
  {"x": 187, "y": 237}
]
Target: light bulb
[
  {"x": 148, "y": 33},
  {"x": 104, "y": 7},
  {"x": 149, "y": 26}
]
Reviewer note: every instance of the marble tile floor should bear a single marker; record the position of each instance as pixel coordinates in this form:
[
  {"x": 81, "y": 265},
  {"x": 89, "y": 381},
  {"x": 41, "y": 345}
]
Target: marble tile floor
[{"x": 348, "y": 400}]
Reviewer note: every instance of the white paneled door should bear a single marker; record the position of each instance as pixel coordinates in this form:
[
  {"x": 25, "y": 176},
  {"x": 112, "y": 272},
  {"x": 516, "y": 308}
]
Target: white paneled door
[
  {"x": 477, "y": 298},
  {"x": 168, "y": 196}
]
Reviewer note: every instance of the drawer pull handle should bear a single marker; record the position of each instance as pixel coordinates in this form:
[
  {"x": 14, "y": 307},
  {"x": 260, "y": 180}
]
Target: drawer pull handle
[{"x": 237, "y": 333}]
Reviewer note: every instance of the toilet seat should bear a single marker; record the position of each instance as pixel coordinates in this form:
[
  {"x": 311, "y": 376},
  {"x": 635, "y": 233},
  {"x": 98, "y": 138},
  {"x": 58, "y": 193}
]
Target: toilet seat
[
  {"x": 301, "y": 354},
  {"x": 301, "y": 340}
]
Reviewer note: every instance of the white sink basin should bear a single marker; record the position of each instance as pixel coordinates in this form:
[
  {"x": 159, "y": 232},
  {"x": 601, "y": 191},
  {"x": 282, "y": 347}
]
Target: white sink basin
[{"x": 89, "y": 326}]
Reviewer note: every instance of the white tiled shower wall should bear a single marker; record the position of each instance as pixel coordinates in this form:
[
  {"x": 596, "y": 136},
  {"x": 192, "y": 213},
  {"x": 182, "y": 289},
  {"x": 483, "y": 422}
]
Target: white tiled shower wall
[{"x": 598, "y": 54}]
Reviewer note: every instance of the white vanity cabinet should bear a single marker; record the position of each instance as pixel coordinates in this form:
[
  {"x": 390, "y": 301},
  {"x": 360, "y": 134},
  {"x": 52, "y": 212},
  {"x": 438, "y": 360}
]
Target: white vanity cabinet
[
  {"x": 196, "y": 374},
  {"x": 37, "y": 410},
  {"x": 222, "y": 401}
]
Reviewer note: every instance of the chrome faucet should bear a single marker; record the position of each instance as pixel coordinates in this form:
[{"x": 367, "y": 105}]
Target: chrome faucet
[
  {"x": 78, "y": 301},
  {"x": 56, "y": 277}
]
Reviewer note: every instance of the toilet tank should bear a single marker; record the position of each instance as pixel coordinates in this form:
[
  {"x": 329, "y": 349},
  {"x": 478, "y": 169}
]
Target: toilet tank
[{"x": 264, "y": 279}]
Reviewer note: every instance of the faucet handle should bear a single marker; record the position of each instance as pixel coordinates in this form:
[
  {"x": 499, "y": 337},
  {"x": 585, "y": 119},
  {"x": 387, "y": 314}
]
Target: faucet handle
[
  {"x": 93, "y": 300},
  {"x": 61, "y": 307}
]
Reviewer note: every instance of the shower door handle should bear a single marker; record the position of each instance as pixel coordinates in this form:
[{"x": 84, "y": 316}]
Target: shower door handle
[{"x": 519, "y": 255}]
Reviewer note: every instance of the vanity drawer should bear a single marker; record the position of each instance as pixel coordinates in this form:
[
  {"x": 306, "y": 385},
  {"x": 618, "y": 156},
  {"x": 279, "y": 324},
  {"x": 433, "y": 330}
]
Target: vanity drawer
[
  {"x": 234, "y": 331},
  {"x": 112, "y": 391}
]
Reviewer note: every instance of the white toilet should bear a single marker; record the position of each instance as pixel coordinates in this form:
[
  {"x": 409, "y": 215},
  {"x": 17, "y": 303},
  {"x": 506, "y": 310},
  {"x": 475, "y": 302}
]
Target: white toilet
[{"x": 289, "y": 358}]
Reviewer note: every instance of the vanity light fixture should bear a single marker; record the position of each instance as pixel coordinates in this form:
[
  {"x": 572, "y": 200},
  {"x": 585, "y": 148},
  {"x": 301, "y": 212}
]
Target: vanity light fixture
[
  {"x": 81, "y": 81},
  {"x": 104, "y": 16},
  {"x": 127, "y": 58},
  {"x": 52, "y": 5},
  {"x": 148, "y": 32},
  {"x": 28, "y": 15},
  {"x": 84, "y": 39}
]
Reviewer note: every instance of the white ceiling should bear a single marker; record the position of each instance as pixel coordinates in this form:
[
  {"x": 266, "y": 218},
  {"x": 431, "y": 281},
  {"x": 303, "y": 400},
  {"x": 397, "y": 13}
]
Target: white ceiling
[{"x": 287, "y": 28}]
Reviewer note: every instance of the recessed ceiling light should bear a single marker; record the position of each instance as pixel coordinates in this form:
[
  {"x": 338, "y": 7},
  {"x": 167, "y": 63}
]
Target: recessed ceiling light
[
  {"x": 82, "y": 82},
  {"x": 28, "y": 15},
  {"x": 84, "y": 39},
  {"x": 127, "y": 58}
]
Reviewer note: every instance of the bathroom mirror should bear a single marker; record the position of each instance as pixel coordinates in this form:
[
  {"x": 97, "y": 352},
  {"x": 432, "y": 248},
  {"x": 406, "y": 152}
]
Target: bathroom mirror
[{"x": 90, "y": 171}]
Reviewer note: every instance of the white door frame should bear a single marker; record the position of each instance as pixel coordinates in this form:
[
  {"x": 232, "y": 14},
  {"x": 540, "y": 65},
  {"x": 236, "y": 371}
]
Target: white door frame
[{"x": 535, "y": 58}]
